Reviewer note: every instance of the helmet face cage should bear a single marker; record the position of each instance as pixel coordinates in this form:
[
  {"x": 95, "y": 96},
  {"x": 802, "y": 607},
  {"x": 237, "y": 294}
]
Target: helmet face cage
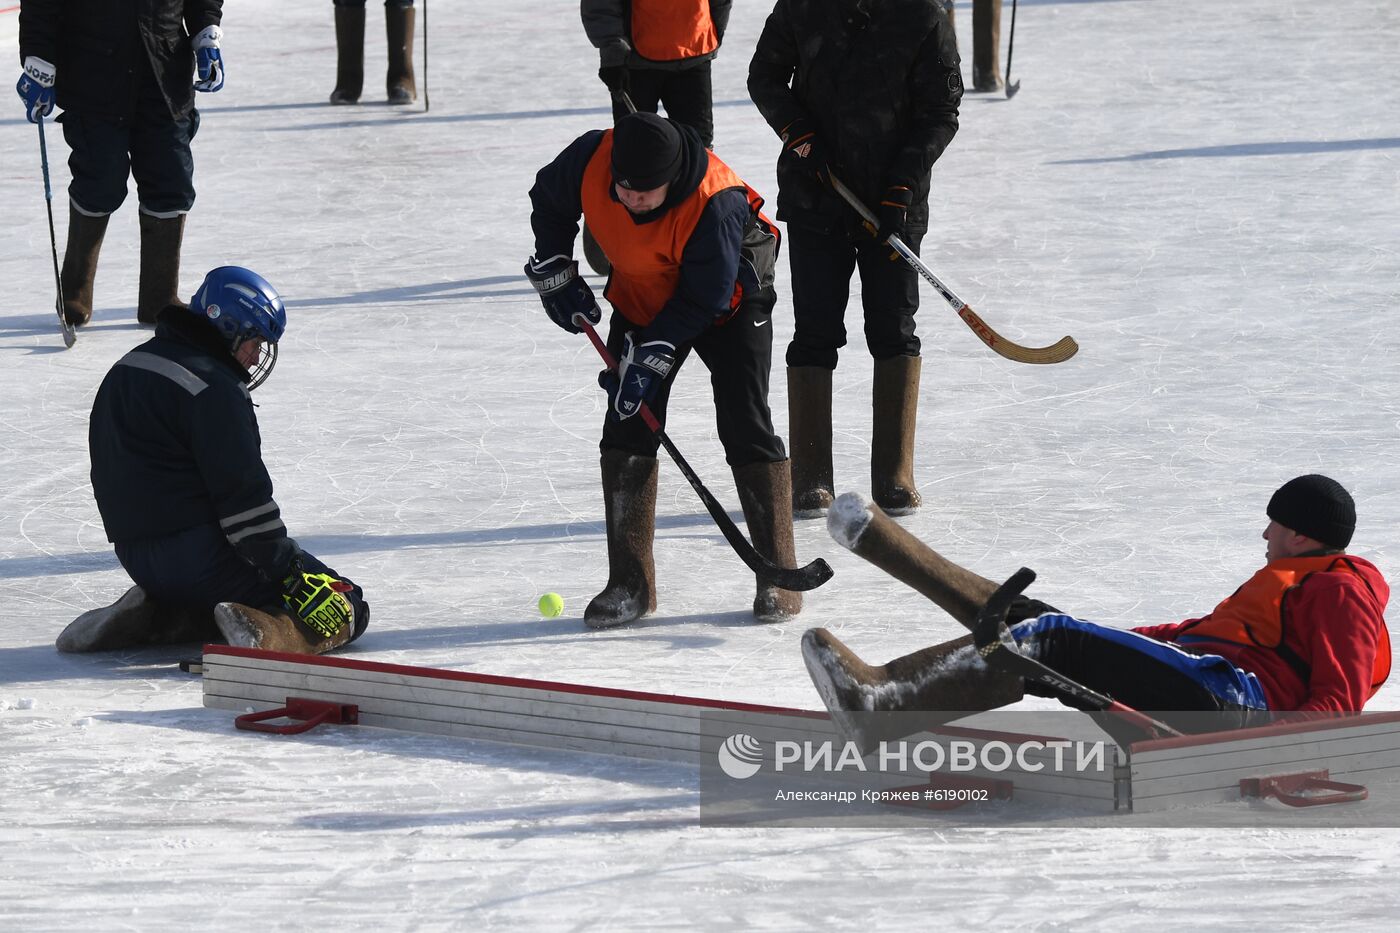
[
  {"x": 267, "y": 358},
  {"x": 242, "y": 306}
]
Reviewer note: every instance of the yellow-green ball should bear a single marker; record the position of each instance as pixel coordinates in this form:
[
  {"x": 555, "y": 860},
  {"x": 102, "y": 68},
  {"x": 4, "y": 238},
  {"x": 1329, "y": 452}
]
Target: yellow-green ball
[{"x": 551, "y": 605}]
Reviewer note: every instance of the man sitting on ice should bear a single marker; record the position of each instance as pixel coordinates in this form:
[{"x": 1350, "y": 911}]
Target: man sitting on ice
[{"x": 1306, "y": 633}]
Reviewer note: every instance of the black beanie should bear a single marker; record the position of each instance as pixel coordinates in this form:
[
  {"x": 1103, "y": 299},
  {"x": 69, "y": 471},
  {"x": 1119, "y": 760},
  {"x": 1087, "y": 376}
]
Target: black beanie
[
  {"x": 1316, "y": 506},
  {"x": 646, "y": 151}
]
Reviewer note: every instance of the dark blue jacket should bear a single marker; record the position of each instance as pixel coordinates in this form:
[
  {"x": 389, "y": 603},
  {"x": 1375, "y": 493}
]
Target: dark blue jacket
[{"x": 174, "y": 444}]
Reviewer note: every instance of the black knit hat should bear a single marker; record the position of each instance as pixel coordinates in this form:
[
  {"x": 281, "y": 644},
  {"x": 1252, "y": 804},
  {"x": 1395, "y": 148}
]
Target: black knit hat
[
  {"x": 646, "y": 151},
  {"x": 1316, "y": 506}
]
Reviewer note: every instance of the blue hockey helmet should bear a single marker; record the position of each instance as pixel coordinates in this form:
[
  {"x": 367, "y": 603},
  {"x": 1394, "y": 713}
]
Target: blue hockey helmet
[{"x": 242, "y": 306}]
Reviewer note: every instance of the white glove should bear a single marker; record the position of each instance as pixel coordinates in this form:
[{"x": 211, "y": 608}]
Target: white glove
[{"x": 207, "y": 60}]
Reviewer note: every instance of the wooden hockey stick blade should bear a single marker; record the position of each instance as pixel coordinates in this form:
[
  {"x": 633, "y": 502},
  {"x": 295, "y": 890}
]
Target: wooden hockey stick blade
[
  {"x": 999, "y": 649},
  {"x": 1057, "y": 352},
  {"x": 864, "y": 529}
]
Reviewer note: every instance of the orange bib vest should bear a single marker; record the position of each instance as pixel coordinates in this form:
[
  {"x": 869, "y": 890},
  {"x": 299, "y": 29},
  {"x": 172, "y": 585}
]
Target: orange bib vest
[
  {"x": 667, "y": 30},
  {"x": 1257, "y": 613},
  {"x": 646, "y": 258}
]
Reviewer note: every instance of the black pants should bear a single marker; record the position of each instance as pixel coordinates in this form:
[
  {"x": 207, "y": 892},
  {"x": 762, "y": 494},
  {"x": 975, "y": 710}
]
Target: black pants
[
  {"x": 822, "y": 265},
  {"x": 739, "y": 356},
  {"x": 684, "y": 92},
  {"x": 153, "y": 148},
  {"x": 197, "y": 568},
  {"x": 1192, "y": 693}
]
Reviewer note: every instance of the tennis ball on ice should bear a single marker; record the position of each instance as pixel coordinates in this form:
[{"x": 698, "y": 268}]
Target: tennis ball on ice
[{"x": 551, "y": 604}]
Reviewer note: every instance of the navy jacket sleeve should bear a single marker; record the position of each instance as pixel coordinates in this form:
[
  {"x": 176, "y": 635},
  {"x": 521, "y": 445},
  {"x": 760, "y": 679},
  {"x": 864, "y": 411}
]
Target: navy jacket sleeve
[
  {"x": 557, "y": 200},
  {"x": 228, "y": 452}
]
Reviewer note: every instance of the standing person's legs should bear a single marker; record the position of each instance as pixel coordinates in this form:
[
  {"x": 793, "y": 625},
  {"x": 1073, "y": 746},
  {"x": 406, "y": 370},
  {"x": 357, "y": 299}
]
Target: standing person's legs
[
  {"x": 99, "y": 163},
  {"x": 688, "y": 97},
  {"x": 890, "y": 297},
  {"x": 163, "y": 168},
  {"x": 349, "y": 51},
  {"x": 739, "y": 355},
  {"x": 400, "y": 84},
  {"x": 629, "y": 476},
  {"x": 821, "y": 266},
  {"x": 643, "y": 89},
  {"x": 986, "y": 45}
]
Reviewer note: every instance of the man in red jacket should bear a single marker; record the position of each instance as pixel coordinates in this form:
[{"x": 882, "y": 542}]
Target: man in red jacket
[{"x": 1306, "y": 633}]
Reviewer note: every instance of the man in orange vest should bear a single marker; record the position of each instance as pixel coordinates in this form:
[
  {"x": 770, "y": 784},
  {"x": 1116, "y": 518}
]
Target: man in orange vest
[
  {"x": 1305, "y": 634},
  {"x": 659, "y": 53},
  {"x": 693, "y": 261}
]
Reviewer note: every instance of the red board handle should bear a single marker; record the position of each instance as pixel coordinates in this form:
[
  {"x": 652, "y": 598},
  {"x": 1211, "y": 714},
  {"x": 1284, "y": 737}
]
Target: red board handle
[
  {"x": 1301, "y": 790},
  {"x": 306, "y": 715}
]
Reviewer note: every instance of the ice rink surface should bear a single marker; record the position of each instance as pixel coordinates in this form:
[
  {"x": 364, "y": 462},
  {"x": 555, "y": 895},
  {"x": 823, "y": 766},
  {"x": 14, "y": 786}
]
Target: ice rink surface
[{"x": 1203, "y": 194}]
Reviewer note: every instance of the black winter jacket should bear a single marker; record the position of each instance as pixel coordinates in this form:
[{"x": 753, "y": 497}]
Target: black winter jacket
[
  {"x": 877, "y": 80},
  {"x": 105, "y": 50},
  {"x": 174, "y": 444}
]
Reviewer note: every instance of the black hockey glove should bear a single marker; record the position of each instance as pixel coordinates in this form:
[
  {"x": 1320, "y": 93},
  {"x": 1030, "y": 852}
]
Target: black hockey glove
[
  {"x": 894, "y": 208},
  {"x": 563, "y": 293},
  {"x": 640, "y": 371},
  {"x": 612, "y": 64},
  {"x": 803, "y": 149}
]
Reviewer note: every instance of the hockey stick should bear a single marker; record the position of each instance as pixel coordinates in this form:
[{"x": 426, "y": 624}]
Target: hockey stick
[
  {"x": 797, "y": 579},
  {"x": 427, "y": 105},
  {"x": 1011, "y": 89},
  {"x": 1057, "y": 352},
  {"x": 70, "y": 334},
  {"x": 999, "y": 649}
]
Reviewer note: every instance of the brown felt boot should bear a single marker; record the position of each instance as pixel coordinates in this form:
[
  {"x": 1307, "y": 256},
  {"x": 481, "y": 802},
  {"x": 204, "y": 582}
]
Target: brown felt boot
[
  {"x": 136, "y": 621},
  {"x": 349, "y": 54},
  {"x": 946, "y": 678},
  {"x": 765, "y": 492},
  {"x": 85, "y": 235},
  {"x": 895, "y": 402},
  {"x": 809, "y": 440},
  {"x": 398, "y": 28},
  {"x": 160, "y": 265},
  {"x": 629, "y": 502},
  {"x": 274, "y": 630},
  {"x": 986, "y": 45}
]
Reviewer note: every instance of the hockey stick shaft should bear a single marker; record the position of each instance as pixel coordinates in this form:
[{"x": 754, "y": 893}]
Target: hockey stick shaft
[
  {"x": 797, "y": 579},
  {"x": 69, "y": 337},
  {"x": 1058, "y": 352},
  {"x": 1011, "y": 89},
  {"x": 427, "y": 105},
  {"x": 999, "y": 649}
]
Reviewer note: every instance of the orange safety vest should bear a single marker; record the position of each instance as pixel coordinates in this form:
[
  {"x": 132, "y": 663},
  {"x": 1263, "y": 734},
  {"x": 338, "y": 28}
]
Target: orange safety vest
[
  {"x": 1257, "y": 613},
  {"x": 668, "y": 30},
  {"x": 646, "y": 258}
]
